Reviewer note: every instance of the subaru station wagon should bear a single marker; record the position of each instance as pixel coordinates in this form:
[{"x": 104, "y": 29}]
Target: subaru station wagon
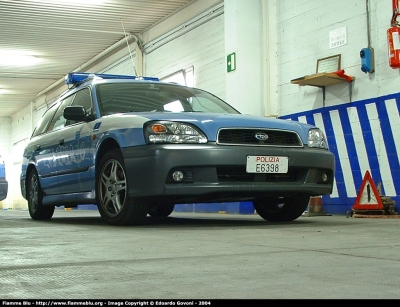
[
  {"x": 3, "y": 181},
  {"x": 136, "y": 146}
]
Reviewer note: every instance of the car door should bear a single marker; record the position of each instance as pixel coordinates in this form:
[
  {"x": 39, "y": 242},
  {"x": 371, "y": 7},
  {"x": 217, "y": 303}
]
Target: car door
[
  {"x": 50, "y": 159},
  {"x": 42, "y": 150},
  {"x": 75, "y": 174}
]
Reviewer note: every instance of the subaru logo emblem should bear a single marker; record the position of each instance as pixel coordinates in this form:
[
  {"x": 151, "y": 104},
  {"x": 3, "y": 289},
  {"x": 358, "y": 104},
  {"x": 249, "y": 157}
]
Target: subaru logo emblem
[{"x": 261, "y": 136}]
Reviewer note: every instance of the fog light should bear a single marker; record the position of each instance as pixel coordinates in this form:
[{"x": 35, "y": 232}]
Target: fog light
[
  {"x": 178, "y": 176},
  {"x": 324, "y": 177}
]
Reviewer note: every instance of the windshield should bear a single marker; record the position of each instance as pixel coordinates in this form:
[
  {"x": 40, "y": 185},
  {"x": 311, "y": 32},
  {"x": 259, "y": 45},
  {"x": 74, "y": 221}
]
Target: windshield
[{"x": 157, "y": 97}]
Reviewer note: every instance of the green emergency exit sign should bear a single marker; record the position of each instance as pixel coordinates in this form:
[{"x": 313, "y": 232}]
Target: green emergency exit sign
[{"x": 231, "y": 62}]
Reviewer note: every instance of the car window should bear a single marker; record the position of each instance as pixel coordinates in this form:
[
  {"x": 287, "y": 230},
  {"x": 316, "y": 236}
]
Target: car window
[
  {"x": 151, "y": 97},
  {"x": 45, "y": 120},
  {"x": 58, "y": 120},
  {"x": 82, "y": 98}
]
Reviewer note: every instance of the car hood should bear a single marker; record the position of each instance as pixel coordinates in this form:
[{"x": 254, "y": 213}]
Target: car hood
[{"x": 210, "y": 123}]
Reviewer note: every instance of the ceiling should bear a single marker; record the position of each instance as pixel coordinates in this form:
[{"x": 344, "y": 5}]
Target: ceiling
[{"x": 63, "y": 35}]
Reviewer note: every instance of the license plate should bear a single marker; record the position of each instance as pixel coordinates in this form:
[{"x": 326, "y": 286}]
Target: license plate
[{"x": 267, "y": 164}]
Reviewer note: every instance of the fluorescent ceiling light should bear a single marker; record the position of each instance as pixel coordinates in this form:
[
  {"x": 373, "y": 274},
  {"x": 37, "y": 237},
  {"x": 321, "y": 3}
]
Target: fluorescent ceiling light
[
  {"x": 68, "y": 2},
  {"x": 14, "y": 58}
]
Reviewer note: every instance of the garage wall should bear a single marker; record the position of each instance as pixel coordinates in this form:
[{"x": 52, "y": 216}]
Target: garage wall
[
  {"x": 122, "y": 67},
  {"x": 200, "y": 47},
  {"x": 304, "y": 37},
  {"x": 361, "y": 119},
  {"x": 5, "y": 147},
  {"x": 5, "y": 138}
]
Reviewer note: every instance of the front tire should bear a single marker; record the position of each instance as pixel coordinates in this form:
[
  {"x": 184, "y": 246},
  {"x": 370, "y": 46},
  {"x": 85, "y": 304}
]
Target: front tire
[
  {"x": 35, "y": 197},
  {"x": 113, "y": 202},
  {"x": 281, "y": 210}
]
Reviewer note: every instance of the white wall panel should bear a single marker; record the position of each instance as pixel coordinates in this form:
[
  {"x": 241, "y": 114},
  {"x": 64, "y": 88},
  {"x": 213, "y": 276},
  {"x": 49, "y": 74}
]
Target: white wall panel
[
  {"x": 5, "y": 136},
  {"x": 123, "y": 67},
  {"x": 203, "y": 48},
  {"x": 303, "y": 31},
  {"x": 5, "y": 152},
  {"x": 21, "y": 129}
]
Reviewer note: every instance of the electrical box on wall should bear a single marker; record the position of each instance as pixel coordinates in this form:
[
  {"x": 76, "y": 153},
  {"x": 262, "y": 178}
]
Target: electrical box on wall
[{"x": 367, "y": 60}]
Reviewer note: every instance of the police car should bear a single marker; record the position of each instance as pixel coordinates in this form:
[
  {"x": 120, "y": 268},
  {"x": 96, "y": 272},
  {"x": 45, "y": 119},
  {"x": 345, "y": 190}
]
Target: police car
[
  {"x": 3, "y": 181},
  {"x": 135, "y": 146}
]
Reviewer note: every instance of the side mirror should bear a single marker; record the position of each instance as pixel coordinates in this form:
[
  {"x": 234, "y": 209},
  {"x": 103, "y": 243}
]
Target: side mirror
[{"x": 76, "y": 113}]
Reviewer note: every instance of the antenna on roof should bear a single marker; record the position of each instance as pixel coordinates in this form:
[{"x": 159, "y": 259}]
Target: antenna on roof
[{"x": 130, "y": 53}]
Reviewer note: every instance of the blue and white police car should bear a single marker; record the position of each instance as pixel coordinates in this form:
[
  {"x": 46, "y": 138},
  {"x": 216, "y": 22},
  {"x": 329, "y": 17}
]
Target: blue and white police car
[
  {"x": 3, "y": 180},
  {"x": 135, "y": 146}
]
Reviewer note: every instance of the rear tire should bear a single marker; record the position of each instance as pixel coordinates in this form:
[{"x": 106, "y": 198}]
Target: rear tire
[
  {"x": 113, "y": 202},
  {"x": 35, "y": 197},
  {"x": 281, "y": 210},
  {"x": 161, "y": 209}
]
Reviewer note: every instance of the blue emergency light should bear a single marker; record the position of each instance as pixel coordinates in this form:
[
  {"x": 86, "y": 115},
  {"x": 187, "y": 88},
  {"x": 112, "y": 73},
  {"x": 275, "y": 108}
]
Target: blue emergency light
[{"x": 77, "y": 77}]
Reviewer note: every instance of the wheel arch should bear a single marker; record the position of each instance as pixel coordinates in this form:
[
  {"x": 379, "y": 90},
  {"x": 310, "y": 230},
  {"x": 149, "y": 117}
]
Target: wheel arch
[
  {"x": 28, "y": 170},
  {"x": 106, "y": 145}
]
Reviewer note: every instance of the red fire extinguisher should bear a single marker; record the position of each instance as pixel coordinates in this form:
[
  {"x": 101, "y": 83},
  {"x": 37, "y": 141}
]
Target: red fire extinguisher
[{"x": 393, "y": 36}]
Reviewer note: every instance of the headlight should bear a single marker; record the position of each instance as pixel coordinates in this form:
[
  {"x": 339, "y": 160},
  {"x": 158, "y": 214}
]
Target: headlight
[
  {"x": 173, "y": 132},
  {"x": 316, "y": 139}
]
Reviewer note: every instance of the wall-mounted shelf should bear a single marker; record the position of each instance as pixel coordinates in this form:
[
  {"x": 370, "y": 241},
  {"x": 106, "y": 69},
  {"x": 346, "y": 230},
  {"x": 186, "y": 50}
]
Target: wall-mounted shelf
[{"x": 322, "y": 80}]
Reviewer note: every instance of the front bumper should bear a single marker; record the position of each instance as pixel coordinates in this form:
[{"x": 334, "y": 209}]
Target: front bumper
[{"x": 218, "y": 173}]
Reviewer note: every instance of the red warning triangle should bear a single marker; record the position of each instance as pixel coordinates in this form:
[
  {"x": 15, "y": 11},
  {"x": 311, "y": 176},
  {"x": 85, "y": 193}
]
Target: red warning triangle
[{"x": 368, "y": 198}]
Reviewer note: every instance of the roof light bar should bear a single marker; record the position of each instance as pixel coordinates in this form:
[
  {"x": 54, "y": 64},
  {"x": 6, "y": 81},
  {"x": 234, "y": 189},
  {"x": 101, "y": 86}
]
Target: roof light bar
[{"x": 77, "y": 77}]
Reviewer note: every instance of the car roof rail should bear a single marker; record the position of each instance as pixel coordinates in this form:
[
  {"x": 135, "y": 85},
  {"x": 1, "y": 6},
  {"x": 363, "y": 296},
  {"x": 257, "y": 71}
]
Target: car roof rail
[{"x": 75, "y": 78}]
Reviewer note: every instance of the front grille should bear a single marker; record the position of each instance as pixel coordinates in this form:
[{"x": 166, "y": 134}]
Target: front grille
[{"x": 266, "y": 137}]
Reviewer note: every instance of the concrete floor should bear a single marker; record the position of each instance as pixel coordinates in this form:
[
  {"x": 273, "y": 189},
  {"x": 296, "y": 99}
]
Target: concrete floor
[{"x": 76, "y": 255}]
